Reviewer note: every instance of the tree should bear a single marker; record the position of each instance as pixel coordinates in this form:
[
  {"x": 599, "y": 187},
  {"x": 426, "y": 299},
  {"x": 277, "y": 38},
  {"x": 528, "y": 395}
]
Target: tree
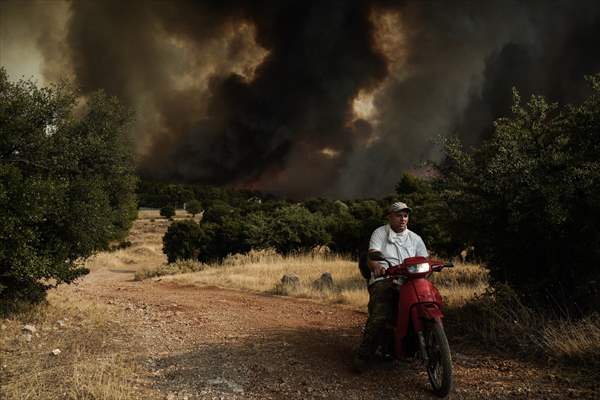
[
  {"x": 185, "y": 240},
  {"x": 528, "y": 199},
  {"x": 345, "y": 231},
  {"x": 217, "y": 211},
  {"x": 167, "y": 212},
  {"x": 293, "y": 229},
  {"x": 323, "y": 206},
  {"x": 431, "y": 217},
  {"x": 193, "y": 207},
  {"x": 66, "y": 184}
]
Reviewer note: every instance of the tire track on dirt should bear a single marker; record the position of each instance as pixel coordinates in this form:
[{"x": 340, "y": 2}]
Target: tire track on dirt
[{"x": 214, "y": 343}]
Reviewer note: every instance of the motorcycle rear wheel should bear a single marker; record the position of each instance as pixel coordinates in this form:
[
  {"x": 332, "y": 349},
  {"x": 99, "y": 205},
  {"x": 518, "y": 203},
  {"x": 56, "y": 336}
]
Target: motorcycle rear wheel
[{"x": 439, "y": 365}]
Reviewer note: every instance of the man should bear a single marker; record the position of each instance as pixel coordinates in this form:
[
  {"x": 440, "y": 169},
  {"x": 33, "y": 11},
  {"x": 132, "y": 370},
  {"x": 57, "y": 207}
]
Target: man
[{"x": 396, "y": 242}]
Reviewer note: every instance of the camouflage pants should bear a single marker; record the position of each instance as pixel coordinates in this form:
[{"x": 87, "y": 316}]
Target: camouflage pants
[{"x": 383, "y": 305}]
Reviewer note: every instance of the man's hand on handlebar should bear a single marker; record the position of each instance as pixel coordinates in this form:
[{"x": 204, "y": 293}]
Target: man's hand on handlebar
[{"x": 377, "y": 269}]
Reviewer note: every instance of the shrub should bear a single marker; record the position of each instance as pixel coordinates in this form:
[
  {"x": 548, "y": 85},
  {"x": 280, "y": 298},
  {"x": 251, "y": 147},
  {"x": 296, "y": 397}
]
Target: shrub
[
  {"x": 431, "y": 217},
  {"x": 217, "y": 211},
  {"x": 193, "y": 207},
  {"x": 167, "y": 212},
  {"x": 345, "y": 231},
  {"x": 66, "y": 184},
  {"x": 528, "y": 199},
  {"x": 228, "y": 237},
  {"x": 185, "y": 240},
  {"x": 295, "y": 229},
  {"x": 320, "y": 205}
]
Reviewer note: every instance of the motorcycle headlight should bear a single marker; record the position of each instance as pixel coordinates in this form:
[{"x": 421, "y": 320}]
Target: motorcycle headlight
[{"x": 418, "y": 268}]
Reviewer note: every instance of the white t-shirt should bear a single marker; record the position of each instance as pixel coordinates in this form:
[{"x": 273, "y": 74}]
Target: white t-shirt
[{"x": 396, "y": 246}]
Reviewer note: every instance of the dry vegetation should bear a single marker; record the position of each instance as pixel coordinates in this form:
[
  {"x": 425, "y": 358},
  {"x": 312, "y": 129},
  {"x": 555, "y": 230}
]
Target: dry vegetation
[
  {"x": 91, "y": 364},
  {"x": 145, "y": 250},
  {"x": 499, "y": 318},
  {"x": 262, "y": 271},
  {"x": 496, "y": 318},
  {"x": 91, "y": 337}
]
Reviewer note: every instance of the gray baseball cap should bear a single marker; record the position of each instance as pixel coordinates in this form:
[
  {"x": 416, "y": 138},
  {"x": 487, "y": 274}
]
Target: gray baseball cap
[{"x": 398, "y": 206}]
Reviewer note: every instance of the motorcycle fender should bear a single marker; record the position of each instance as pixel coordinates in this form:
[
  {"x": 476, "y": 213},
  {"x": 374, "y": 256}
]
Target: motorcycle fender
[
  {"x": 419, "y": 300},
  {"x": 407, "y": 299},
  {"x": 430, "y": 312},
  {"x": 426, "y": 292},
  {"x": 412, "y": 321}
]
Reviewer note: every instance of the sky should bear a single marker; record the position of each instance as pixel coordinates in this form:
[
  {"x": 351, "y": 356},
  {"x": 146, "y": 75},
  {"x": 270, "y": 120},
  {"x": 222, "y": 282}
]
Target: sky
[{"x": 301, "y": 98}]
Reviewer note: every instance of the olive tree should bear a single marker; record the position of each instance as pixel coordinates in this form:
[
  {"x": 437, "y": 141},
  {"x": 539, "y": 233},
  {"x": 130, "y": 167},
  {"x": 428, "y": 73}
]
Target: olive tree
[
  {"x": 528, "y": 199},
  {"x": 193, "y": 207},
  {"x": 66, "y": 184}
]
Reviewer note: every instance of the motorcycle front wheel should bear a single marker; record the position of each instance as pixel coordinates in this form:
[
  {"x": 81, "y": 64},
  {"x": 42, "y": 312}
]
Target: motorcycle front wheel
[{"x": 439, "y": 365}]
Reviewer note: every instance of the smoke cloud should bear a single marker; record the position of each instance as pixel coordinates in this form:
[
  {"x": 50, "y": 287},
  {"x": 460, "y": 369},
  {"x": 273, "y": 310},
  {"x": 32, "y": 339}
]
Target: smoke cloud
[{"x": 309, "y": 98}]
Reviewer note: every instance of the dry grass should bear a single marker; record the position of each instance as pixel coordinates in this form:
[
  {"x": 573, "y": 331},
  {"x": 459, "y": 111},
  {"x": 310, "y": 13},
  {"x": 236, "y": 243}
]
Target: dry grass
[
  {"x": 461, "y": 284},
  {"x": 574, "y": 341},
  {"x": 262, "y": 271},
  {"x": 91, "y": 364},
  {"x": 179, "y": 267},
  {"x": 494, "y": 317},
  {"x": 145, "y": 250},
  {"x": 137, "y": 255},
  {"x": 500, "y": 319}
]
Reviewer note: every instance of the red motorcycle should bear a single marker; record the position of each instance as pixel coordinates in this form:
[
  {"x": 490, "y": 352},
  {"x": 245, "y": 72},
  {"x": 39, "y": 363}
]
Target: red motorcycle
[{"x": 418, "y": 329}]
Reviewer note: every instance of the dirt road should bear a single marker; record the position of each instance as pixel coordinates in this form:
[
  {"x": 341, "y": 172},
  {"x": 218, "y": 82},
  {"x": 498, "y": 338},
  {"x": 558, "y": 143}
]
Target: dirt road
[{"x": 214, "y": 343}]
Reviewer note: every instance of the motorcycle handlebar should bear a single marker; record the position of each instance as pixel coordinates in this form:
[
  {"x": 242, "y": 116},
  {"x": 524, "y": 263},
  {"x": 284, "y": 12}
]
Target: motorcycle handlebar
[
  {"x": 394, "y": 270},
  {"x": 436, "y": 265}
]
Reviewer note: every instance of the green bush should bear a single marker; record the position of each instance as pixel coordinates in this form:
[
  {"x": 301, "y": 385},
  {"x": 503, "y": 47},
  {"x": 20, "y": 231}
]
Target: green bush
[
  {"x": 185, "y": 240},
  {"x": 528, "y": 199},
  {"x": 345, "y": 231},
  {"x": 293, "y": 228},
  {"x": 66, "y": 184},
  {"x": 217, "y": 211},
  {"x": 193, "y": 207},
  {"x": 167, "y": 212},
  {"x": 431, "y": 218}
]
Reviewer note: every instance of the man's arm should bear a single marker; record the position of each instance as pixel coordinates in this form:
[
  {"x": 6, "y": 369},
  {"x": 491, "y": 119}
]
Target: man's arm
[
  {"x": 376, "y": 244},
  {"x": 375, "y": 266},
  {"x": 421, "y": 250}
]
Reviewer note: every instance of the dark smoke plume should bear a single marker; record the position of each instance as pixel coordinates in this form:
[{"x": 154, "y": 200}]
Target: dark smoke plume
[
  {"x": 462, "y": 60},
  {"x": 330, "y": 98}
]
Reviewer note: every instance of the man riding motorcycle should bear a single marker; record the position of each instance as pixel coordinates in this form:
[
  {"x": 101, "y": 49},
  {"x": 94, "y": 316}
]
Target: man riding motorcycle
[{"x": 396, "y": 242}]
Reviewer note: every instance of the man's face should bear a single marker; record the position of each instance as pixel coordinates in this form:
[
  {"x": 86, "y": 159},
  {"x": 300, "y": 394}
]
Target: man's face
[{"x": 398, "y": 220}]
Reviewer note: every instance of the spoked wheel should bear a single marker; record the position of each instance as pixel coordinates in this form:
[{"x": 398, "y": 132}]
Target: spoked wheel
[{"x": 439, "y": 366}]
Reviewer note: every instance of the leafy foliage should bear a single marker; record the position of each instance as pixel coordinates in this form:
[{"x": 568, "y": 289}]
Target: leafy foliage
[
  {"x": 289, "y": 228},
  {"x": 156, "y": 194},
  {"x": 185, "y": 240},
  {"x": 529, "y": 199},
  {"x": 66, "y": 184},
  {"x": 217, "y": 211},
  {"x": 167, "y": 212},
  {"x": 193, "y": 207},
  {"x": 431, "y": 217},
  {"x": 294, "y": 229}
]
